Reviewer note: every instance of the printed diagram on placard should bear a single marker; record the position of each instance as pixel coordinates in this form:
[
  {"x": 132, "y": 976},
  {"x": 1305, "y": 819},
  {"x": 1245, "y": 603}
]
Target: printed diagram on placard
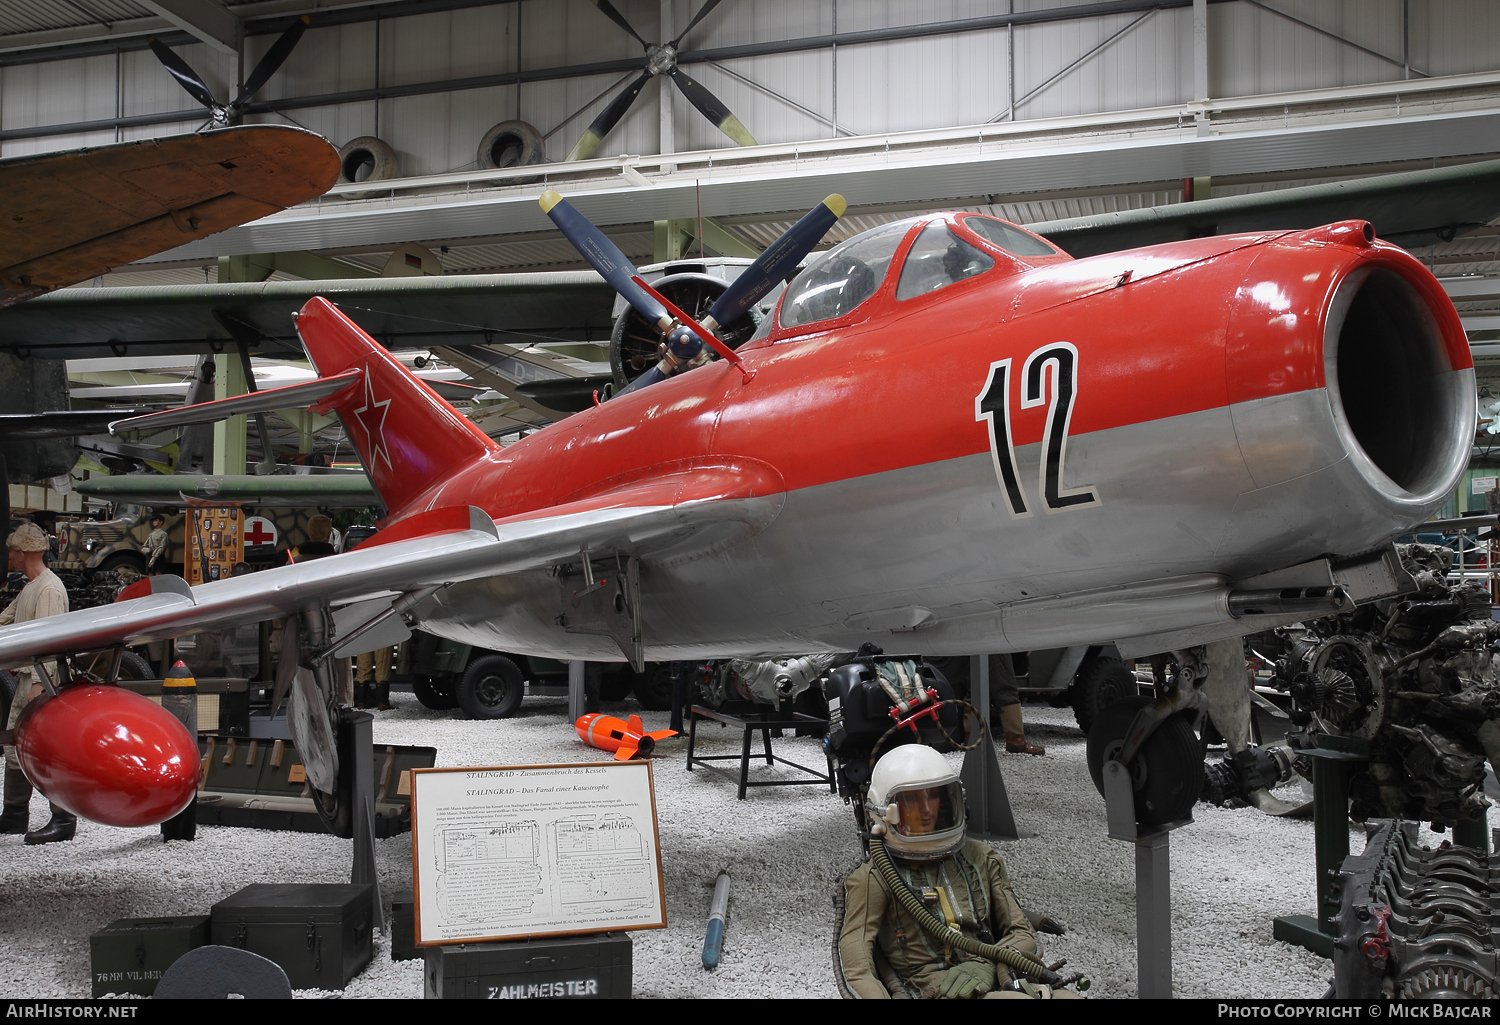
[
  {"x": 489, "y": 872},
  {"x": 602, "y": 863}
]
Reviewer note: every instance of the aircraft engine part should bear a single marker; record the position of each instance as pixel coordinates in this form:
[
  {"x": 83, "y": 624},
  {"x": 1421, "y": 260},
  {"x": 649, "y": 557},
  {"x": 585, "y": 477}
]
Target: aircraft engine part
[
  {"x": 366, "y": 159},
  {"x": 1415, "y": 923},
  {"x": 1229, "y": 783},
  {"x": 780, "y": 681},
  {"x": 1414, "y": 676},
  {"x": 108, "y": 755},
  {"x": 636, "y": 345},
  {"x": 513, "y": 144}
]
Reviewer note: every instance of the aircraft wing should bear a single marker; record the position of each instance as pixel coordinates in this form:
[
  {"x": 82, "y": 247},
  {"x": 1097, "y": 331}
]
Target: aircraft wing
[
  {"x": 523, "y": 310},
  {"x": 73, "y": 215},
  {"x": 673, "y": 516},
  {"x": 1411, "y": 208},
  {"x": 59, "y": 423}
]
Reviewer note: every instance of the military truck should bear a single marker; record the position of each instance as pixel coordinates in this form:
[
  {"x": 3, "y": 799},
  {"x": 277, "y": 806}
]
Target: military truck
[
  {"x": 114, "y": 545},
  {"x": 491, "y": 684}
]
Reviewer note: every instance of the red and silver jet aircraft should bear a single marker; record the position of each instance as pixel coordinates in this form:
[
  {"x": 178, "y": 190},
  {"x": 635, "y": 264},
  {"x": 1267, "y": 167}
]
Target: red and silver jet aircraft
[{"x": 949, "y": 437}]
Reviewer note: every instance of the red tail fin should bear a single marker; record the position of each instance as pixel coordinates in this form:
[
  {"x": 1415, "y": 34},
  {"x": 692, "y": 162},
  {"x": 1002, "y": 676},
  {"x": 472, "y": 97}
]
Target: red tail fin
[
  {"x": 634, "y": 725},
  {"x": 407, "y": 436}
]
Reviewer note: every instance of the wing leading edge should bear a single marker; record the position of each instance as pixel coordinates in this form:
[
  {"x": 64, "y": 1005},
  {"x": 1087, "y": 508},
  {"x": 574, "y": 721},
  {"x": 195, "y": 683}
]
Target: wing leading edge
[{"x": 724, "y": 505}]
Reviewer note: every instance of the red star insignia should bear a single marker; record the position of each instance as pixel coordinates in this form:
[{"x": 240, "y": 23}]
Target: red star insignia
[{"x": 371, "y": 417}]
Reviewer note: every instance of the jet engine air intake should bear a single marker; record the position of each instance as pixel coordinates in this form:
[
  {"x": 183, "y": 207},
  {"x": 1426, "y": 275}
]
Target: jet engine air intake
[{"x": 1404, "y": 417}]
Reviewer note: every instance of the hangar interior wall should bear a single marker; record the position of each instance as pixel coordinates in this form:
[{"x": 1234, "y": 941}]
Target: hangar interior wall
[{"x": 1081, "y": 66}]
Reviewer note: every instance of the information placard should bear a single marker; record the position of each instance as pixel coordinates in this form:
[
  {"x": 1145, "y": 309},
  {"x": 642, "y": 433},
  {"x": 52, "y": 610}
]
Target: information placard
[{"x": 508, "y": 852}]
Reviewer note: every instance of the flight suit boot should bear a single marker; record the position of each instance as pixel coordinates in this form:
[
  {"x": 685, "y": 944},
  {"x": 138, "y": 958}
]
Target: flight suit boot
[
  {"x": 60, "y": 827},
  {"x": 16, "y": 817},
  {"x": 1015, "y": 732}
]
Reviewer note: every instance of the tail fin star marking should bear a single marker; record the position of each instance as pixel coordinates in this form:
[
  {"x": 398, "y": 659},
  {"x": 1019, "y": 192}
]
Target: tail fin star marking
[{"x": 371, "y": 417}]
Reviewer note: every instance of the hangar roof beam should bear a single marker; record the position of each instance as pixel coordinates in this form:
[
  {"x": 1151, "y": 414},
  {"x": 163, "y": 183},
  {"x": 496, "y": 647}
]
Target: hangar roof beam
[{"x": 206, "y": 20}]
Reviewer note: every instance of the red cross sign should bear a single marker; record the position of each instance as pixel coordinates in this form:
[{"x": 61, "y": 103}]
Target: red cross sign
[{"x": 260, "y": 531}]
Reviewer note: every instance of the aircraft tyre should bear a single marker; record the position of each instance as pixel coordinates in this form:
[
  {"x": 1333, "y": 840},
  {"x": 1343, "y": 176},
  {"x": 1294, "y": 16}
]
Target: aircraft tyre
[
  {"x": 434, "y": 694},
  {"x": 491, "y": 688},
  {"x": 653, "y": 688},
  {"x": 1099, "y": 683},
  {"x": 1168, "y": 771}
]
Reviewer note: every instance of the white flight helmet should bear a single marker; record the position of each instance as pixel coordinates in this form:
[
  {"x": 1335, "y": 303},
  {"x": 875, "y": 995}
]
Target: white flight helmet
[{"x": 916, "y": 804}]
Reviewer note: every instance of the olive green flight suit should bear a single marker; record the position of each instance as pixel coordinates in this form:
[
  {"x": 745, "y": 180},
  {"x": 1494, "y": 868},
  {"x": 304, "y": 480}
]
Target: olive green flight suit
[{"x": 976, "y": 888}]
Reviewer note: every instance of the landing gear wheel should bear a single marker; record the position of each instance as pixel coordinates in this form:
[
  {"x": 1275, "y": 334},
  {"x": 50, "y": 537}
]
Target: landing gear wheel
[
  {"x": 491, "y": 688},
  {"x": 434, "y": 694},
  {"x": 653, "y": 688},
  {"x": 1167, "y": 774},
  {"x": 1100, "y": 682}
]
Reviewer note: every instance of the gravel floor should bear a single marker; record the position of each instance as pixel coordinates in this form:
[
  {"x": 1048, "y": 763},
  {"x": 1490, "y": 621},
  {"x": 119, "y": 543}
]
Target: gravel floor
[{"x": 1232, "y": 872}]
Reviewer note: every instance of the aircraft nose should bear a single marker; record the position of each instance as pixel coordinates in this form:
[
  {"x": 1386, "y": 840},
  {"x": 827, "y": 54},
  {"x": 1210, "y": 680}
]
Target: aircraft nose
[{"x": 108, "y": 755}]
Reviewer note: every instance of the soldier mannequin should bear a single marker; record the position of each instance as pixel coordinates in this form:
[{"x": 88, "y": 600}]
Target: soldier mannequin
[
  {"x": 156, "y": 545},
  {"x": 916, "y": 798},
  {"x": 43, "y": 595}
]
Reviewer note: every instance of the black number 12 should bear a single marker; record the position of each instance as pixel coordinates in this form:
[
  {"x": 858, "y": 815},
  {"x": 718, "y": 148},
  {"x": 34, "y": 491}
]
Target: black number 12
[{"x": 993, "y": 404}]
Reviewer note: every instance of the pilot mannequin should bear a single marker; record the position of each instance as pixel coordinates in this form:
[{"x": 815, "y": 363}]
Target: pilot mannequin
[{"x": 916, "y": 806}]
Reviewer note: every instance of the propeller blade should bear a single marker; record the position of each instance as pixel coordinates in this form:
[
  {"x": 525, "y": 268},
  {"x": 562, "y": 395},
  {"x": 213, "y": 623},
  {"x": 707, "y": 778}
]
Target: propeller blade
[
  {"x": 608, "y": 10},
  {"x": 702, "y": 13},
  {"x": 605, "y": 257},
  {"x": 646, "y": 380},
  {"x": 608, "y": 118},
  {"x": 274, "y": 58},
  {"x": 186, "y": 76},
  {"x": 712, "y": 108},
  {"x": 778, "y": 260}
]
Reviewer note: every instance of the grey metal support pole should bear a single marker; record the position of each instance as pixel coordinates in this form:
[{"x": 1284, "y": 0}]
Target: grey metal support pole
[
  {"x": 990, "y": 813},
  {"x": 1153, "y": 916},
  {"x": 362, "y": 790},
  {"x": 577, "y": 699}
]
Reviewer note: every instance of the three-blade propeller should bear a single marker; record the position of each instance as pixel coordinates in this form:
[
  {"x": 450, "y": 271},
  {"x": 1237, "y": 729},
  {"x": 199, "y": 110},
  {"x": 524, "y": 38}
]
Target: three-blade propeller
[
  {"x": 684, "y": 336},
  {"x": 660, "y": 60},
  {"x": 229, "y": 114}
]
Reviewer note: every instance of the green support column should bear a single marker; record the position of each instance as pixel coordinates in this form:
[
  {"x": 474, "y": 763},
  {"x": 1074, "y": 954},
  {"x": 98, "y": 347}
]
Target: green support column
[
  {"x": 678, "y": 238},
  {"x": 229, "y": 435}
]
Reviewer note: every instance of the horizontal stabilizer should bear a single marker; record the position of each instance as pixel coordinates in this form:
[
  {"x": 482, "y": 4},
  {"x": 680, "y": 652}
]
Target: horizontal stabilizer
[
  {"x": 624, "y": 754},
  {"x": 662, "y": 734},
  {"x": 290, "y": 396}
]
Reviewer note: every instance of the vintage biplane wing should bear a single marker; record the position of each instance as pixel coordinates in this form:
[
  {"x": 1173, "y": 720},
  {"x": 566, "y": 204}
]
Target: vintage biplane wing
[
  {"x": 1410, "y": 209},
  {"x": 77, "y": 214}
]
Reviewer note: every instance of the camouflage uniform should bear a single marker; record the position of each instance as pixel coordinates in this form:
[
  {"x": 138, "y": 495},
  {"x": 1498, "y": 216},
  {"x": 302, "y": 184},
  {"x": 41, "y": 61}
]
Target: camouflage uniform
[
  {"x": 978, "y": 891},
  {"x": 44, "y": 596}
]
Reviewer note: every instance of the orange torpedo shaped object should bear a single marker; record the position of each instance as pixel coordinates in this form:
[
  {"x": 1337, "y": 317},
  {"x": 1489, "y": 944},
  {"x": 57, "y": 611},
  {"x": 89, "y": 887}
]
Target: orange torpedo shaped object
[{"x": 625, "y": 739}]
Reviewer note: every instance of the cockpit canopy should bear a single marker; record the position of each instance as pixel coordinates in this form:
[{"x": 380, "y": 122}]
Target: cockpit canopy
[{"x": 848, "y": 275}]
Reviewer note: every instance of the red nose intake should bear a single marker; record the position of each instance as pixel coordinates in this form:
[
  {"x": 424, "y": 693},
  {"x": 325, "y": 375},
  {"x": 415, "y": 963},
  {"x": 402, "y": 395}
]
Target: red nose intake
[{"x": 108, "y": 755}]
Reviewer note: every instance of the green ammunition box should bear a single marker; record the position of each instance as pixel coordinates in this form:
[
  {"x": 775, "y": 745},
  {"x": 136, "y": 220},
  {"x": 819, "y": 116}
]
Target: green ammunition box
[
  {"x": 129, "y": 955},
  {"x": 592, "y": 966},
  {"x": 319, "y": 933}
]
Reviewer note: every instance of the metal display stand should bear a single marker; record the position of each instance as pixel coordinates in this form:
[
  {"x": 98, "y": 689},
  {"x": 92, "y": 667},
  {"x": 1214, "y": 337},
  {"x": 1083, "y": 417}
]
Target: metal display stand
[
  {"x": 362, "y": 790},
  {"x": 577, "y": 698},
  {"x": 990, "y": 815},
  {"x": 1153, "y": 883},
  {"x": 1333, "y": 763},
  {"x": 765, "y": 723}
]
